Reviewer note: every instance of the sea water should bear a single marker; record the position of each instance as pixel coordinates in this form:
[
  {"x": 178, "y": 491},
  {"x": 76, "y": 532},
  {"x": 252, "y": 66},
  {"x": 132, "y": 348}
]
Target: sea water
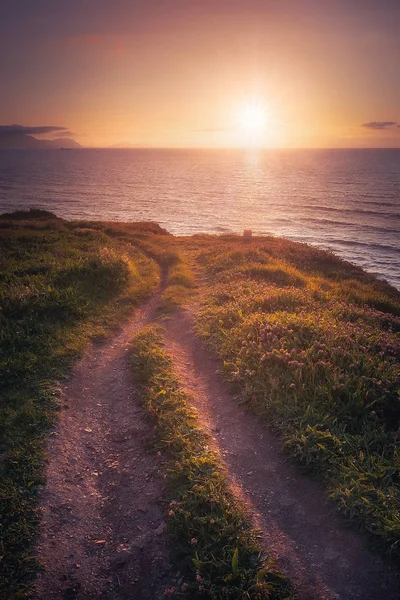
[{"x": 347, "y": 201}]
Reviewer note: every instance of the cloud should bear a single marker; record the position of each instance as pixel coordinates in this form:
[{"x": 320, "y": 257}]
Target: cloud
[
  {"x": 17, "y": 130},
  {"x": 379, "y": 125}
]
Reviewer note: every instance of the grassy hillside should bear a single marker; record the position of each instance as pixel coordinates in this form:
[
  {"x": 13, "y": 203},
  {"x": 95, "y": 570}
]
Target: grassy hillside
[
  {"x": 309, "y": 342},
  {"x": 60, "y": 286},
  {"x": 312, "y": 345}
]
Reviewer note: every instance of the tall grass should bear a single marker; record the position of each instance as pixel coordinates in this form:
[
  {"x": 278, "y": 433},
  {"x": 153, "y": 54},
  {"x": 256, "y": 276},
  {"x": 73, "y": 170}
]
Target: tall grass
[{"x": 317, "y": 355}]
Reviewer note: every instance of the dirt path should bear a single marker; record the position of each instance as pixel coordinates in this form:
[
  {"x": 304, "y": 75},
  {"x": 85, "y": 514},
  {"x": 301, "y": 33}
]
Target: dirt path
[
  {"x": 103, "y": 533},
  {"x": 324, "y": 558}
]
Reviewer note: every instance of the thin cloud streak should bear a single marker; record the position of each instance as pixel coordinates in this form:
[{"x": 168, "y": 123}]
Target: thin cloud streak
[{"x": 379, "y": 125}]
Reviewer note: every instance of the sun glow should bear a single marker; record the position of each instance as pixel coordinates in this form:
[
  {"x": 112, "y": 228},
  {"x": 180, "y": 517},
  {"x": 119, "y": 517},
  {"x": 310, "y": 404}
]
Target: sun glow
[{"x": 252, "y": 121}]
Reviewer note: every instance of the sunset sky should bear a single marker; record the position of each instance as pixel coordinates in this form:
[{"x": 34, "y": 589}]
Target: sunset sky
[{"x": 179, "y": 72}]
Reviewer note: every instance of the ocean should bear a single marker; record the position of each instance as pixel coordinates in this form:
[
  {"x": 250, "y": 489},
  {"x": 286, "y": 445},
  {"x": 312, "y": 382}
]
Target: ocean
[{"x": 347, "y": 201}]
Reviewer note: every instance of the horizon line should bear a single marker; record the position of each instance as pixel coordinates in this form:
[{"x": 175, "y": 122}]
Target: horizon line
[{"x": 229, "y": 148}]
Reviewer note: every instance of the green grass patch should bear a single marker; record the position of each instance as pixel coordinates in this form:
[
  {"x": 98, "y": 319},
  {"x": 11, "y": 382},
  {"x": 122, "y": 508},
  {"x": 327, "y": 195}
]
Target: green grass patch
[
  {"x": 179, "y": 284},
  {"x": 217, "y": 550},
  {"x": 181, "y": 274},
  {"x": 309, "y": 342},
  {"x": 317, "y": 354},
  {"x": 173, "y": 297},
  {"x": 60, "y": 286}
]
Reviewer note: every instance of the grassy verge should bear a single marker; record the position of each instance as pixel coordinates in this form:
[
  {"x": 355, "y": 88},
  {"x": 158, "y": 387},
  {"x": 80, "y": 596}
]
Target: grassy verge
[
  {"x": 179, "y": 285},
  {"x": 216, "y": 549},
  {"x": 60, "y": 286},
  {"x": 312, "y": 344},
  {"x": 170, "y": 255},
  {"x": 178, "y": 277}
]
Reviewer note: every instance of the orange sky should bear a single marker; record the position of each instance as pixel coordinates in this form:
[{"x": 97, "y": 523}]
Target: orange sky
[{"x": 177, "y": 73}]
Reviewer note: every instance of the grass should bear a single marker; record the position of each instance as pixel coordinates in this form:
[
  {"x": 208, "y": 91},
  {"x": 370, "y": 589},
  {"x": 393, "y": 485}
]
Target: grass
[
  {"x": 309, "y": 342},
  {"x": 180, "y": 281},
  {"x": 218, "y": 552},
  {"x": 60, "y": 286},
  {"x": 312, "y": 345},
  {"x": 178, "y": 276}
]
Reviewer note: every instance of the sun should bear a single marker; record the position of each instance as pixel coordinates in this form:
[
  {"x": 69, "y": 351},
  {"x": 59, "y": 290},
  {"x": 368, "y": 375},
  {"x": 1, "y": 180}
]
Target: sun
[
  {"x": 252, "y": 121},
  {"x": 252, "y": 116}
]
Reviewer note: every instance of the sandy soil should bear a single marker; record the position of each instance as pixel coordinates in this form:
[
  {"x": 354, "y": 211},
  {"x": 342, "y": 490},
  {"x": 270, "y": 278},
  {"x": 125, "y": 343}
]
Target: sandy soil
[
  {"x": 314, "y": 545},
  {"x": 103, "y": 534}
]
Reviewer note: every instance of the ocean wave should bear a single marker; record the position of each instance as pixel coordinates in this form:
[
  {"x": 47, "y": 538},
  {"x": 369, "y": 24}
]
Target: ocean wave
[
  {"x": 221, "y": 229},
  {"x": 347, "y": 224},
  {"x": 372, "y": 245},
  {"x": 353, "y": 211},
  {"x": 379, "y": 202}
]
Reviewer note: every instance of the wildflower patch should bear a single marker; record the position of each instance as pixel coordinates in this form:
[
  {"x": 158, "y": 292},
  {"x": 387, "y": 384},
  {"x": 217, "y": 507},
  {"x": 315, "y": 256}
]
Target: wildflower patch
[{"x": 321, "y": 363}]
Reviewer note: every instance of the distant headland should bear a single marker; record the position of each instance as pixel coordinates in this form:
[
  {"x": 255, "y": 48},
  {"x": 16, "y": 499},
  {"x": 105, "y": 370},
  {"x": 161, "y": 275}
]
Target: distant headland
[{"x": 19, "y": 137}]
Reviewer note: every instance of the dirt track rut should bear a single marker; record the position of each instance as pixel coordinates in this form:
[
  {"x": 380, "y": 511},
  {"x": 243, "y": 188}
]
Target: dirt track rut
[{"x": 103, "y": 532}]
